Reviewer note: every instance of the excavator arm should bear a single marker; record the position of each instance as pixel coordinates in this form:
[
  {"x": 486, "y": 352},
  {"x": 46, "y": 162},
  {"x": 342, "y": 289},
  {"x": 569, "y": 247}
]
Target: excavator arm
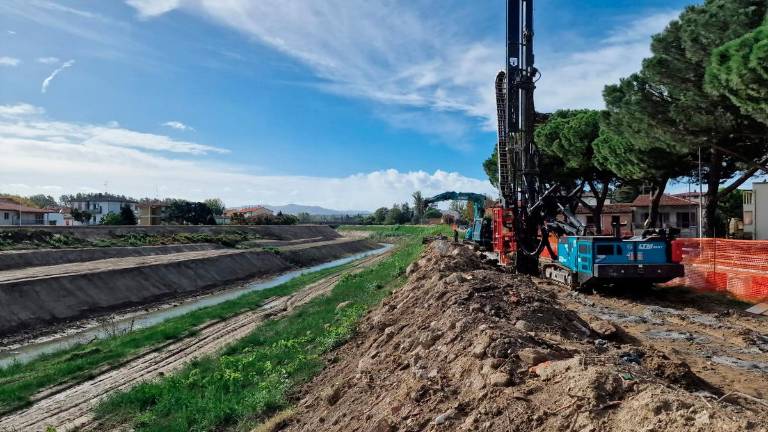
[{"x": 477, "y": 200}]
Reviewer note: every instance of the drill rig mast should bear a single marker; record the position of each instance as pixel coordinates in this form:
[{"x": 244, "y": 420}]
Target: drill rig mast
[{"x": 520, "y": 220}]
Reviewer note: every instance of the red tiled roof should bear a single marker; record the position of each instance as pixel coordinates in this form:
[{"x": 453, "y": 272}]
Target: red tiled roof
[
  {"x": 666, "y": 200},
  {"x": 6, "y": 204},
  {"x": 688, "y": 194},
  {"x": 618, "y": 208},
  {"x": 251, "y": 209}
]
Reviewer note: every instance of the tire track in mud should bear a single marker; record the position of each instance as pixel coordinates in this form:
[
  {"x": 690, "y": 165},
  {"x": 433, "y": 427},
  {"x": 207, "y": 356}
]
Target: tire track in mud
[
  {"x": 724, "y": 346},
  {"x": 72, "y": 407}
]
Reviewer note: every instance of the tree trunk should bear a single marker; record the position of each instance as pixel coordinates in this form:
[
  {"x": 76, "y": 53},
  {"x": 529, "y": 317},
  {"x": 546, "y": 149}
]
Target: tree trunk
[
  {"x": 653, "y": 214},
  {"x": 600, "y": 196},
  {"x": 711, "y": 197}
]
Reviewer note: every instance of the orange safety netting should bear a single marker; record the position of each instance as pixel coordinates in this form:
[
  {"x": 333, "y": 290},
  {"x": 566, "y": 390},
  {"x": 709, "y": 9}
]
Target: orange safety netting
[{"x": 738, "y": 267}]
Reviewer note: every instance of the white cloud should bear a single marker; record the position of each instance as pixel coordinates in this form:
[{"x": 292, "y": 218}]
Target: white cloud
[
  {"x": 577, "y": 80},
  {"x": 47, "y": 81},
  {"x": 48, "y": 60},
  {"x": 11, "y": 32},
  {"x": 150, "y": 8},
  {"x": 393, "y": 55},
  {"x": 39, "y": 153},
  {"x": 9, "y": 61},
  {"x": 20, "y": 110},
  {"x": 178, "y": 125},
  {"x": 23, "y": 122}
]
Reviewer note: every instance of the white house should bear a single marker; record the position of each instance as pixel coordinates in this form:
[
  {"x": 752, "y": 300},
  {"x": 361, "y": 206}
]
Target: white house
[
  {"x": 101, "y": 205},
  {"x": 15, "y": 214},
  {"x": 755, "y": 218}
]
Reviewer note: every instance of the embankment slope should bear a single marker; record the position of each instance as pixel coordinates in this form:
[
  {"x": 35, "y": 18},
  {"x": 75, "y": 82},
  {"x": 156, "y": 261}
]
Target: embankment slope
[
  {"x": 466, "y": 346},
  {"x": 38, "y": 297}
]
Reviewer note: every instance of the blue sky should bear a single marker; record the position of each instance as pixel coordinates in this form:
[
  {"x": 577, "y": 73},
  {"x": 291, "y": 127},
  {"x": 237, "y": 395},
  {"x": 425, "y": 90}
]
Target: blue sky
[{"x": 340, "y": 103}]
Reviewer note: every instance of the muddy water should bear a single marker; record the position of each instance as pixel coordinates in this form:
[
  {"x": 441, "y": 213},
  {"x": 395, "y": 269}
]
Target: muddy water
[{"x": 128, "y": 322}]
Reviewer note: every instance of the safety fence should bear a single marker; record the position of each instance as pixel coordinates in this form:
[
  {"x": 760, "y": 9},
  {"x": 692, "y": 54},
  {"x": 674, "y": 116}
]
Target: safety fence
[{"x": 738, "y": 267}]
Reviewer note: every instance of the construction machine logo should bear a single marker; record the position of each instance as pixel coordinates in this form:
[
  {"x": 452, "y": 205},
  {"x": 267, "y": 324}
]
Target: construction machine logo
[
  {"x": 649, "y": 246},
  {"x": 513, "y": 61}
]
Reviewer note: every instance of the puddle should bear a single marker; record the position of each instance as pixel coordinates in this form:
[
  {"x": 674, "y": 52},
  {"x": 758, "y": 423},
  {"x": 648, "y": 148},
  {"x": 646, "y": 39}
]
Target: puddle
[{"x": 125, "y": 323}]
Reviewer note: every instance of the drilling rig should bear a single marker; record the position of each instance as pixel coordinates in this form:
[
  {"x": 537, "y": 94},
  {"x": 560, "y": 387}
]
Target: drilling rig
[{"x": 531, "y": 211}]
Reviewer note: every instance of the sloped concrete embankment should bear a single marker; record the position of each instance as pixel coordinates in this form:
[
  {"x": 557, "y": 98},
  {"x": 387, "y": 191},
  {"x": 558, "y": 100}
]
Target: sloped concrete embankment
[
  {"x": 40, "y": 302},
  {"x": 97, "y": 232},
  {"x": 47, "y": 257}
]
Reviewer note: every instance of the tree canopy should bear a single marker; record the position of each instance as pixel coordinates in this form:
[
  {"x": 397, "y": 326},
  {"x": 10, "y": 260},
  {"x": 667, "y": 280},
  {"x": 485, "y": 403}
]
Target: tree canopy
[
  {"x": 739, "y": 71},
  {"x": 567, "y": 142},
  {"x": 667, "y": 114},
  {"x": 216, "y": 205}
]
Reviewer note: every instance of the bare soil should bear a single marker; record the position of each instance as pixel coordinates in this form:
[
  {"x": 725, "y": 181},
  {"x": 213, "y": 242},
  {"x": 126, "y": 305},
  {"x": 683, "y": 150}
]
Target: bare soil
[
  {"x": 70, "y": 407},
  {"x": 466, "y": 346}
]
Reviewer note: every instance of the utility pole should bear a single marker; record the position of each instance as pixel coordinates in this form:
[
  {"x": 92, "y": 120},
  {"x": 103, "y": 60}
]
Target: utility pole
[{"x": 701, "y": 198}]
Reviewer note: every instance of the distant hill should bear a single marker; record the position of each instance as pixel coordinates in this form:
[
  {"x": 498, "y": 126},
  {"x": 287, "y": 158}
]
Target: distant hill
[{"x": 295, "y": 209}]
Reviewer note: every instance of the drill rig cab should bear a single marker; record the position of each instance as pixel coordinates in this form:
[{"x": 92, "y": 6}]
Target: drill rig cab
[{"x": 531, "y": 212}]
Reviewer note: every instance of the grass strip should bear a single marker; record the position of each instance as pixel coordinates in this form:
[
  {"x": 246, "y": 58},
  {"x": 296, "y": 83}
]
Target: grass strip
[
  {"x": 252, "y": 379},
  {"x": 18, "y": 382}
]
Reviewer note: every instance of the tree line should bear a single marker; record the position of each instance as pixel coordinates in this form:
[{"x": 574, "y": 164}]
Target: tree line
[
  {"x": 179, "y": 211},
  {"x": 702, "y": 94}
]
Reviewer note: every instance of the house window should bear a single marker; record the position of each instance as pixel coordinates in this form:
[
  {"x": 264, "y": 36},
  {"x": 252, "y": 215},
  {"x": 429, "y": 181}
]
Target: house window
[
  {"x": 590, "y": 220},
  {"x": 747, "y": 198},
  {"x": 6, "y": 216},
  {"x": 664, "y": 218},
  {"x": 616, "y": 220},
  {"x": 748, "y": 218},
  {"x": 683, "y": 220}
]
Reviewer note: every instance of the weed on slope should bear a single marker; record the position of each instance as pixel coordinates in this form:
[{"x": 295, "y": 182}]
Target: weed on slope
[
  {"x": 19, "y": 382},
  {"x": 253, "y": 378}
]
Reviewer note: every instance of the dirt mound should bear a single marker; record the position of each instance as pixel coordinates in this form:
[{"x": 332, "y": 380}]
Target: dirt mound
[{"x": 466, "y": 346}]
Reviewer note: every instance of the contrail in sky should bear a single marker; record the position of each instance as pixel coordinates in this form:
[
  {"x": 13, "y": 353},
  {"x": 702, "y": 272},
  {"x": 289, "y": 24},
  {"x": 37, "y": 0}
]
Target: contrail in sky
[{"x": 53, "y": 74}]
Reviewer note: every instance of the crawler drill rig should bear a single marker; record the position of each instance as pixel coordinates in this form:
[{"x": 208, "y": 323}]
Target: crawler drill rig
[{"x": 531, "y": 210}]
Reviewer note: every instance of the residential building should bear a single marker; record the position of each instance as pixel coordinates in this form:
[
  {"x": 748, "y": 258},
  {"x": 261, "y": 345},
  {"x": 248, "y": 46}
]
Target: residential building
[
  {"x": 15, "y": 214},
  {"x": 61, "y": 216},
  {"x": 619, "y": 213},
  {"x": 674, "y": 212},
  {"x": 249, "y": 211},
  {"x": 755, "y": 218},
  {"x": 101, "y": 205},
  {"x": 694, "y": 196},
  {"x": 152, "y": 213}
]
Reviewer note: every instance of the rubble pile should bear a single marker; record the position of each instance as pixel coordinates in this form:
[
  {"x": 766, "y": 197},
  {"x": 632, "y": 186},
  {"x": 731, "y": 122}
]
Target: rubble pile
[{"x": 465, "y": 345}]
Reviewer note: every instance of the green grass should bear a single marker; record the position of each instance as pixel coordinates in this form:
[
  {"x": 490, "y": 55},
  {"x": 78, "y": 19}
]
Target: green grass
[
  {"x": 393, "y": 232},
  {"x": 20, "y": 381},
  {"x": 253, "y": 378}
]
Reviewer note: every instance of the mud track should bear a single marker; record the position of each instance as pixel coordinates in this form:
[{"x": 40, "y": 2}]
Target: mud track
[
  {"x": 70, "y": 407},
  {"x": 722, "y": 344}
]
